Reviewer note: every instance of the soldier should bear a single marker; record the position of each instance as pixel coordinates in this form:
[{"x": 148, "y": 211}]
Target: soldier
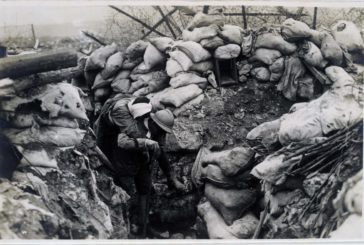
[{"x": 132, "y": 137}]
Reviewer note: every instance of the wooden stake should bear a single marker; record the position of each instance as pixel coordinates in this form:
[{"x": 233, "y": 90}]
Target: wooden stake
[
  {"x": 314, "y": 18},
  {"x": 243, "y": 12}
]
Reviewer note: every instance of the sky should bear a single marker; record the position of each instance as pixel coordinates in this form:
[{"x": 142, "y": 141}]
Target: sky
[{"x": 38, "y": 15}]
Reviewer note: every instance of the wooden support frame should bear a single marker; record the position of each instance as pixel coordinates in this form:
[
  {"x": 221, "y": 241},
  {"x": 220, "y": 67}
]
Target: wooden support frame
[
  {"x": 159, "y": 23},
  {"x": 166, "y": 18},
  {"x": 243, "y": 12},
  {"x": 137, "y": 20},
  {"x": 314, "y": 18}
]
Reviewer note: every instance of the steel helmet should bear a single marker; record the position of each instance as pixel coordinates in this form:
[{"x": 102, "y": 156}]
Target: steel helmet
[{"x": 164, "y": 119}]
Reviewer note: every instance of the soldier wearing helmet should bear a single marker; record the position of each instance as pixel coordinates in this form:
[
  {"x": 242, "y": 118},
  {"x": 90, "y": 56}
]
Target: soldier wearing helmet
[{"x": 132, "y": 137}]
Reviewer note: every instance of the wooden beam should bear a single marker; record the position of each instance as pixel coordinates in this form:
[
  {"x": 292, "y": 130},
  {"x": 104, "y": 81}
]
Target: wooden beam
[
  {"x": 259, "y": 14},
  {"x": 137, "y": 20},
  {"x": 92, "y": 37},
  {"x": 167, "y": 21},
  {"x": 28, "y": 64},
  {"x": 314, "y": 18},
  {"x": 3, "y": 51},
  {"x": 243, "y": 12},
  {"x": 159, "y": 23},
  {"x": 43, "y": 78}
]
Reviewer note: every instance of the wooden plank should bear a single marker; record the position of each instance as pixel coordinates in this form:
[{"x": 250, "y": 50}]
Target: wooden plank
[
  {"x": 243, "y": 12},
  {"x": 167, "y": 21},
  {"x": 137, "y": 20},
  {"x": 92, "y": 37},
  {"x": 314, "y": 18},
  {"x": 3, "y": 52},
  {"x": 43, "y": 78},
  {"x": 158, "y": 23},
  {"x": 24, "y": 65}
]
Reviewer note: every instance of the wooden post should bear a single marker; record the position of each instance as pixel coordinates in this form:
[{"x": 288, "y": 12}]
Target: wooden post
[
  {"x": 314, "y": 18},
  {"x": 28, "y": 64},
  {"x": 244, "y": 17},
  {"x": 33, "y": 33},
  {"x": 158, "y": 23},
  {"x": 167, "y": 21},
  {"x": 3, "y": 51},
  {"x": 205, "y": 9},
  {"x": 137, "y": 20},
  {"x": 89, "y": 35}
]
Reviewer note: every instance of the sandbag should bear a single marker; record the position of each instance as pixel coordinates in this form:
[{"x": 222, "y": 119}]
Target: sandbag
[
  {"x": 305, "y": 87},
  {"x": 354, "y": 198},
  {"x": 17, "y": 120},
  {"x": 153, "y": 57},
  {"x": 121, "y": 85},
  {"x": 272, "y": 40},
  {"x": 62, "y": 99},
  {"x": 203, "y": 66},
  {"x": 52, "y": 136},
  {"x": 37, "y": 157},
  {"x": 181, "y": 95},
  {"x": 173, "y": 67},
  {"x": 155, "y": 98},
  {"x": 102, "y": 94},
  {"x": 113, "y": 65},
  {"x": 242, "y": 228},
  {"x": 194, "y": 51},
  {"x": 97, "y": 59},
  {"x": 316, "y": 37},
  {"x": 182, "y": 59},
  {"x": 276, "y": 70},
  {"x": 158, "y": 82},
  {"x": 273, "y": 168},
  {"x": 331, "y": 50},
  {"x": 100, "y": 82},
  {"x": 211, "y": 79},
  {"x": 200, "y": 33},
  {"x": 186, "y": 78},
  {"x": 230, "y": 203},
  {"x": 293, "y": 30},
  {"x": 214, "y": 175},
  {"x": 142, "y": 68},
  {"x": 312, "y": 55},
  {"x": 136, "y": 50},
  {"x": 162, "y": 43},
  {"x": 351, "y": 228},
  {"x": 57, "y": 122},
  {"x": 228, "y": 51},
  {"x": 247, "y": 44},
  {"x": 267, "y": 56},
  {"x": 231, "y": 161},
  {"x": 231, "y": 34},
  {"x": 141, "y": 92},
  {"x": 348, "y": 35},
  {"x": 216, "y": 227},
  {"x": 212, "y": 43},
  {"x": 130, "y": 64},
  {"x": 244, "y": 69},
  {"x": 294, "y": 69},
  {"x": 302, "y": 124},
  {"x": 189, "y": 105},
  {"x": 266, "y": 133},
  {"x": 338, "y": 76},
  {"x": 261, "y": 74},
  {"x": 137, "y": 85},
  {"x": 201, "y": 20}
]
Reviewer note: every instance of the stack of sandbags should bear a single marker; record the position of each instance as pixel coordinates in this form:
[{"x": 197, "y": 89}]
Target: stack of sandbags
[
  {"x": 224, "y": 176},
  {"x": 42, "y": 121},
  {"x": 295, "y": 55},
  {"x": 337, "y": 108}
]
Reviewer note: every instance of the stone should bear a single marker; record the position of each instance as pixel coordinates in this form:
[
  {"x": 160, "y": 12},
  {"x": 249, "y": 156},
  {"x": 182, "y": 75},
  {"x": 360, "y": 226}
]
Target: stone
[
  {"x": 228, "y": 51},
  {"x": 185, "y": 137}
]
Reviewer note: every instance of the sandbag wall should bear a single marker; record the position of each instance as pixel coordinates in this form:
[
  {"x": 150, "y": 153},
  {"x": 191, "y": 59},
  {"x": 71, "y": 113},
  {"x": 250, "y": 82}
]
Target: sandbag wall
[
  {"x": 230, "y": 193},
  {"x": 42, "y": 120}
]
